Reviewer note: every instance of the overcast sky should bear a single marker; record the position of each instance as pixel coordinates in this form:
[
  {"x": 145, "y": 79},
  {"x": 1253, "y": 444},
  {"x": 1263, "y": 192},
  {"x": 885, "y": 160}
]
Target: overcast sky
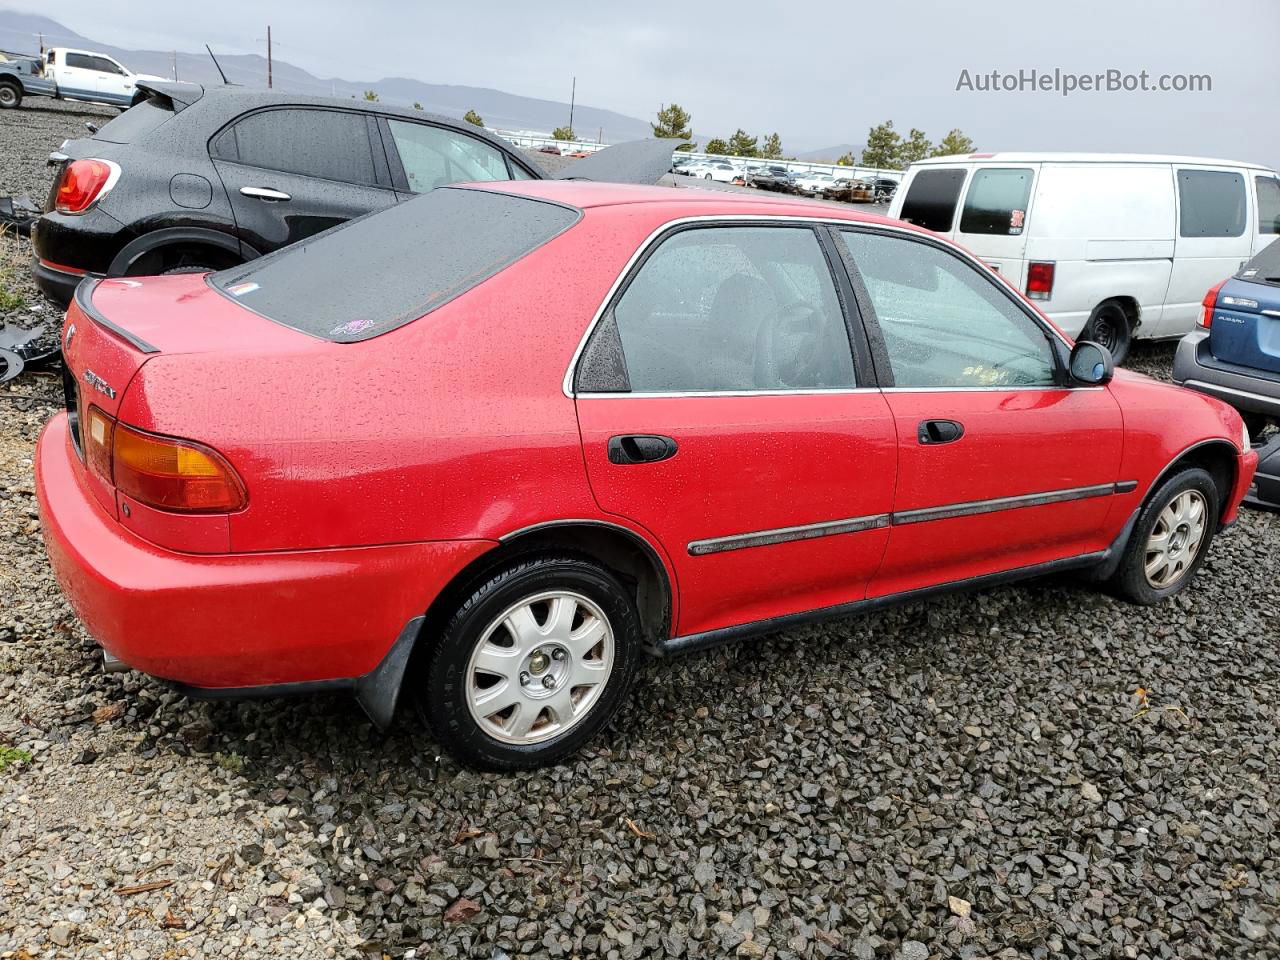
[{"x": 818, "y": 73}]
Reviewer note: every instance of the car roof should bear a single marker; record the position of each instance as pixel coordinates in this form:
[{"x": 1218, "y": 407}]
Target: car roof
[
  {"x": 1052, "y": 157},
  {"x": 586, "y": 195}
]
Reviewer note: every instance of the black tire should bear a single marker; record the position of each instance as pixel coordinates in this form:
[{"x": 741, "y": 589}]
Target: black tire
[
  {"x": 10, "y": 95},
  {"x": 188, "y": 268},
  {"x": 442, "y": 687},
  {"x": 708, "y": 177},
  {"x": 1130, "y": 579},
  {"x": 1109, "y": 326}
]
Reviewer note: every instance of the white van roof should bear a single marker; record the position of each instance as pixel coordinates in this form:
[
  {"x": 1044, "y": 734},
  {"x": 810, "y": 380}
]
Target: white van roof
[{"x": 1051, "y": 157}]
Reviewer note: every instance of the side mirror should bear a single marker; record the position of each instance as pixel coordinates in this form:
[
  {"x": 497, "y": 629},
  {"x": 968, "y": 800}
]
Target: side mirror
[{"x": 1091, "y": 363}]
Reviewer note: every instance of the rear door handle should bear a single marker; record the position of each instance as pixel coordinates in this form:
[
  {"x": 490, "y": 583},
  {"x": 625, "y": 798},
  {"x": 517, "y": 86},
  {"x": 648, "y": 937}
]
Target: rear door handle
[
  {"x": 640, "y": 448},
  {"x": 934, "y": 432},
  {"x": 264, "y": 193}
]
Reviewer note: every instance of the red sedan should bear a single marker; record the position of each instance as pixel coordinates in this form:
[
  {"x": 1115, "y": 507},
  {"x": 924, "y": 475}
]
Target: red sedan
[{"x": 489, "y": 446}]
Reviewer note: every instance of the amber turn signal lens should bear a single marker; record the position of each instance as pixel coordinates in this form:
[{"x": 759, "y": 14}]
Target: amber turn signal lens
[
  {"x": 95, "y": 438},
  {"x": 172, "y": 474}
]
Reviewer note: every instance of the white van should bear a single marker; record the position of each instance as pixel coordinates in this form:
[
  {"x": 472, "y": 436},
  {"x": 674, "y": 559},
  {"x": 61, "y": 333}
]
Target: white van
[{"x": 1113, "y": 246}]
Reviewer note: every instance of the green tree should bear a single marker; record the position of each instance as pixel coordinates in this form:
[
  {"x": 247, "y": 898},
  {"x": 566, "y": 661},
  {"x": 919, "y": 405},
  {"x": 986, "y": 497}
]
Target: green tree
[
  {"x": 717, "y": 146},
  {"x": 742, "y": 145},
  {"x": 845, "y": 161},
  {"x": 772, "y": 149},
  {"x": 674, "y": 123},
  {"x": 563, "y": 133},
  {"x": 953, "y": 143},
  {"x": 370, "y": 95},
  {"x": 417, "y": 105},
  {"x": 882, "y": 147},
  {"x": 472, "y": 117},
  {"x": 915, "y": 147}
]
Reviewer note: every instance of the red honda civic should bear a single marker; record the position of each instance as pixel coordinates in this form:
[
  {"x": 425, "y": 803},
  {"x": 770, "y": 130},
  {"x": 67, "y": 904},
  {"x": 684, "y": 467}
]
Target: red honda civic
[{"x": 490, "y": 446}]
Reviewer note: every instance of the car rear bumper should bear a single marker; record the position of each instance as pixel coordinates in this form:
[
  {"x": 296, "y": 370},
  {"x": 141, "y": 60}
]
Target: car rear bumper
[
  {"x": 1254, "y": 391},
  {"x": 240, "y": 621},
  {"x": 57, "y": 284},
  {"x": 69, "y": 247}
]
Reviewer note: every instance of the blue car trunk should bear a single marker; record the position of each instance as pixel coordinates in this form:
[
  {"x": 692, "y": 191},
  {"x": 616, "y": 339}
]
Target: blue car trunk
[{"x": 1246, "y": 317}]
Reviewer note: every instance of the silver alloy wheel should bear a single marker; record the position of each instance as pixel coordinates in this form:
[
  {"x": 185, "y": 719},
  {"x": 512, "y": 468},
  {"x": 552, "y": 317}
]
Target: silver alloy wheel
[
  {"x": 1176, "y": 538},
  {"x": 539, "y": 667}
]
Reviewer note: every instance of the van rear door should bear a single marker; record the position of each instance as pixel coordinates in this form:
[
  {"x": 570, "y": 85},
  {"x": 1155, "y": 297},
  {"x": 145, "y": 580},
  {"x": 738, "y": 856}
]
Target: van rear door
[
  {"x": 993, "y": 217},
  {"x": 1214, "y": 239}
]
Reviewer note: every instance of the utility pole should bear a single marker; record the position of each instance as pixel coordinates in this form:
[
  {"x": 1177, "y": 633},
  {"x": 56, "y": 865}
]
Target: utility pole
[
  {"x": 572, "y": 94},
  {"x": 41, "y": 36},
  {"x": 268, "y": 56}
]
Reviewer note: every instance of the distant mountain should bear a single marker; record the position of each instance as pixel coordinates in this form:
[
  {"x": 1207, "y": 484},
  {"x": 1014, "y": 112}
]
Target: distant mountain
[
  {"x": 502, "y": 110},
  {"x": 832, "y": 154}
]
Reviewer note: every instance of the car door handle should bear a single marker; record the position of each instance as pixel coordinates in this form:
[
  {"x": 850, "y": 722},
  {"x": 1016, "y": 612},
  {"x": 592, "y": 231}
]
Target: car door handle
[
  {"x": 264, "y": 193},
  {"x": 641, "y": 448},
  {"x": 934, "y": 432}
]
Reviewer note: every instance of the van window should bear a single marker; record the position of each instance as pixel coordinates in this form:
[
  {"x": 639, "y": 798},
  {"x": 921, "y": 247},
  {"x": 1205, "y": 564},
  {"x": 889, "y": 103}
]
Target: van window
[
  {"x": 1268, "y": 204},
  {"x": 1213, "y": 203},
  {"x": 997, "y": 202},
  {"x": 931, "y": 200}
]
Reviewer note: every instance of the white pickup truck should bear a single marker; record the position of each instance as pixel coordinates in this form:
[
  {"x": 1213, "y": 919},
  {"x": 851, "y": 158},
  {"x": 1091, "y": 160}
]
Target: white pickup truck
[{"x": 67, "y": 74}]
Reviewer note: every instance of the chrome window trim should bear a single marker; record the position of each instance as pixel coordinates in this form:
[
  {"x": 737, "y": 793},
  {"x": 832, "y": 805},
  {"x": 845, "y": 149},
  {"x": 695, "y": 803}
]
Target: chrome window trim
[
  {"x": 734, "y": 219},
  {"x": 831, "y": 528}
]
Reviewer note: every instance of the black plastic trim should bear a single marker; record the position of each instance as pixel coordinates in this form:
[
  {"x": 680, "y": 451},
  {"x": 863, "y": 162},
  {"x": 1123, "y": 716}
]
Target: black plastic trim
[
  {"x": 84, "y": 300},
  {"x": 925, "y": 514},
  {"x": 135, "y": 250},
  {"x": 715, "y": 638},
  {"x": 765, "y": 538}
]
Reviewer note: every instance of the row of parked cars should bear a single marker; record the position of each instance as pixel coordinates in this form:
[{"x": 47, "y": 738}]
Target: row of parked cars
[
  {"x": 374, "y": 455},
  {"x": 781, "y": 179}
]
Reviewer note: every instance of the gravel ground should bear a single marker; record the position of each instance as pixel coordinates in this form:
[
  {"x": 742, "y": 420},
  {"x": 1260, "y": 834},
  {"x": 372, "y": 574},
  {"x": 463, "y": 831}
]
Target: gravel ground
[{"x": 1033, "y": 771}]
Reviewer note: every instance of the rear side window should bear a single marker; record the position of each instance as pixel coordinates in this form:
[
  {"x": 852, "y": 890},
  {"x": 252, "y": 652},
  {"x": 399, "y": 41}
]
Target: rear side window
[
  {"x": 80, "y": 61},
  {"x": 1268, "y": 204},
  {"x": 383, "y": 270},
  {"x": 996, "y": 203},
  {"x": 931, "y": 199},
  {"x": 1212, "y": 202},
  {"x": 435, "y": 157},
  {"x": 741, "y": 309},
  {"x": 329, "y": 144},
  {"x": 136, "y": 122}
]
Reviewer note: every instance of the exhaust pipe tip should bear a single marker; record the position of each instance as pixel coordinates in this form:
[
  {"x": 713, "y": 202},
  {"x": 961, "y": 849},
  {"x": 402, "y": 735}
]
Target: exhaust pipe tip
[{"x": 112, "y": 664}]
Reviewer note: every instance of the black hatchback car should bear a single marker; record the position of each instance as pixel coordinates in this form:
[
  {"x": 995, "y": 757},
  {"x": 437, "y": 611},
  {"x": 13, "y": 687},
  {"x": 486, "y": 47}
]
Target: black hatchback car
[{"x": 196, "y": 179}]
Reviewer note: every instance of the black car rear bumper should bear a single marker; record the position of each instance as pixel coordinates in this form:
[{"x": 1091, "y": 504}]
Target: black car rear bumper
[
  {"x": 58, "y": 286},
  {"x": 1245, "y": 388},
  {"x": 70, "y": 247}
]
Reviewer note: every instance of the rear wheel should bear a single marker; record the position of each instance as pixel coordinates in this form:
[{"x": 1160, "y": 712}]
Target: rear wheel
[
  {"x": 188, "y": 268},
  {"x": 532, "y": 665},
  {"x": 10, "y": 95},
  {"x": 1109, "y": 326},
  {"x": 1170, "y": 539}
]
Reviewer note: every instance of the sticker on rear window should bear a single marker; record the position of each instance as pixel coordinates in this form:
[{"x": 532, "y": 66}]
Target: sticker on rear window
[
  {"x": 1248, "y": 273},
  {"x": 351, "y": 328},
  {"x": 240, "y": 289},
  {"x": 1016, "y": 219}
]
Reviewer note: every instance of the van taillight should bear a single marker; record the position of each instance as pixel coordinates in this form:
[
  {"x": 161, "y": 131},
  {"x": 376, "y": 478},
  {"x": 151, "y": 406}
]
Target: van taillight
[
  {"x": 162, "y": 472},
  {"x": 1039, "y": 280},
  {"x": 83, "y": 183},
  {"x": 1208, "y": 303}
]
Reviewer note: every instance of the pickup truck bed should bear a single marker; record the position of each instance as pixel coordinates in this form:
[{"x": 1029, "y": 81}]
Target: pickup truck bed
[{"x": 20, "y": 77}]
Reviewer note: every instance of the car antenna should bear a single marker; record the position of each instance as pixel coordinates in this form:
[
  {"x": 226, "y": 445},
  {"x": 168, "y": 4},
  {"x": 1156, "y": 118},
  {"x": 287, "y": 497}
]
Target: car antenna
[{"x": 218, "y": 65}]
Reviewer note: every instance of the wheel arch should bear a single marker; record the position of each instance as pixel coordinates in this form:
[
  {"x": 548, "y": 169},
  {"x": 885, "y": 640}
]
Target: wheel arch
[
  {"x": 1126, "y": 302},
  {"x": 150, "y": 248},
  {"x": 1217, "y": 456}
]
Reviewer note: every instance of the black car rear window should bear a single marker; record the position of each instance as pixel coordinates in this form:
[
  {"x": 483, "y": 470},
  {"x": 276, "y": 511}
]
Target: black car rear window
[
  {"x": 377, "y": 273},
  {"x": 1265, "y": 267},
  {"x": 136, "y": 122}
]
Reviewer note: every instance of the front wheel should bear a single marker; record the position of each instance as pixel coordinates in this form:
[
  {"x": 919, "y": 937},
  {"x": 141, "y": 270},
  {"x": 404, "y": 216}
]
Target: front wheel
[
  {"x": 1109, "y": 326},
  {"x": 1170, "y": 539},
  {"x": 532, "y": 665},
  {"x": 10, "y": 96}
]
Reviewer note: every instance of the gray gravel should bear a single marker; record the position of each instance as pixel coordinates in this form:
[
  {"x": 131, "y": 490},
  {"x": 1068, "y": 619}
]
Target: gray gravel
[{"x": 973, "y": 777}]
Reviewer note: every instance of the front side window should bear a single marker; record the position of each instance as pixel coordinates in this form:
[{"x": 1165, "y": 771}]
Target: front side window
[
  {"x": 1268, "y": 204},
  {"x": 104, "y": 65},
  {"x": 996, "y": 204},
  {"x": 739, "y": 309},
  {"x": 435, "y": 157},
  {"x": 931, "y": 199},
  {"x": 944, "y": 324},
  {"x": 80, "y": 61},
  {"x": 329, "y": 144},
  {"x": 1212, "y": 203}
]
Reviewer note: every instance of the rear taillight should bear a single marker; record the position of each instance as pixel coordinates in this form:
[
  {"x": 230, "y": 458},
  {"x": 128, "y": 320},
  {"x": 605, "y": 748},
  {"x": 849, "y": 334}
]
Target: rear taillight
[
  {"x": 1040, "y": 280},
  {"x": 1208, "y": 303},
  {"x": 162, "y": 472},
  {"x": 83, "y": 183}
]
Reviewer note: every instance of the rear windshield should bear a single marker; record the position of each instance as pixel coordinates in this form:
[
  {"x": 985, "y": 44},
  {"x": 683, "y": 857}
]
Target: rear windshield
[
  {"x": 1265, "y": 267},
  {"x": 377, "y": 273},
  {"x": 136, "y": 122}
]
